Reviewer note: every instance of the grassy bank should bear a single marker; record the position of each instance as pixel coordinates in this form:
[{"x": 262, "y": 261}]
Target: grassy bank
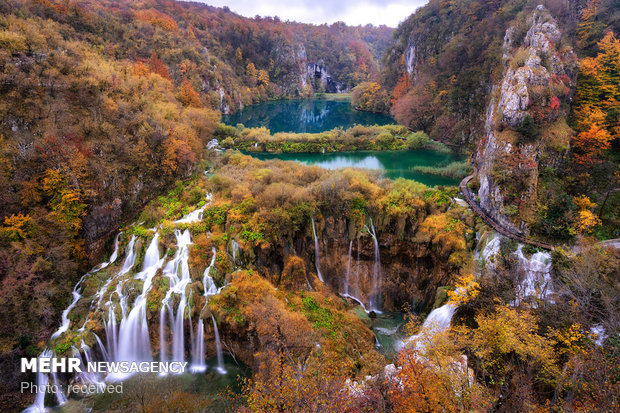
[{"x": 455, "y": 170}]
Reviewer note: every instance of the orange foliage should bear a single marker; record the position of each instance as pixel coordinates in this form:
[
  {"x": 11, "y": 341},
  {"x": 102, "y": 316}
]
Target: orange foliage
[
  {"x": 157, "y": 66},
  {"x": 157, "y": 18},
  {"x": 402, "y": 87},
  {"x": 188, "y": 96},
  {"x": 140, "y": 69},
  {"x": 590, "y": 144}
]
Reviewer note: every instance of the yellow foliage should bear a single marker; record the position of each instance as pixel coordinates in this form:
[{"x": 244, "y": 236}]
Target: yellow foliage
[
  {"x": 263, "y": 77},
  {"x": 466, "y": 290},
  {"x": 445, "y": 229},
  {"x": 587, "y": 221},
  {"x": 16, "y": 226},
  {"x": 507, "y": 333},
  {"x": 571, "y": 340},
  {"x": 583, "y": 202}
]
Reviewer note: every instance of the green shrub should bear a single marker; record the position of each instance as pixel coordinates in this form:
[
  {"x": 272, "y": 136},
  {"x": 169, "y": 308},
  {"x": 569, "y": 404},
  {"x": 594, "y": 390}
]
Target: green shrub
[{"x": 417, "y": 140}]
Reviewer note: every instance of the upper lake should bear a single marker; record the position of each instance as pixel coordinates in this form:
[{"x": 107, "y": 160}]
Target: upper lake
[{"x": 305, "y": 116}]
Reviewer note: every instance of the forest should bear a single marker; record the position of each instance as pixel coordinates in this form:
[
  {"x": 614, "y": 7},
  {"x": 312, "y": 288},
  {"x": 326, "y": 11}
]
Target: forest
[{"x": 121, "y": 191}]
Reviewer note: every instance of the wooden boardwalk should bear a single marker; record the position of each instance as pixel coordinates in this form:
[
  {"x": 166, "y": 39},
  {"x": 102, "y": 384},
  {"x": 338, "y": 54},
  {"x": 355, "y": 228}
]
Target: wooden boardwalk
[{"x": 489, "y": 220}]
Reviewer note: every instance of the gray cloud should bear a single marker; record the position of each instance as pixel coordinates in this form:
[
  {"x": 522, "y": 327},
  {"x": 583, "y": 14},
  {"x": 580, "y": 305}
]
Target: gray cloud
[{"x": 352, "y": 12}]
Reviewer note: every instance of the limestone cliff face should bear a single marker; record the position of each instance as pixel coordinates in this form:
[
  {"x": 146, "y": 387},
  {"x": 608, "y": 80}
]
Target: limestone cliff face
[
  {"x": 409, "y": 269},
  {"x": 316, "y": 73},
  {"x": 538, "y": 82}
]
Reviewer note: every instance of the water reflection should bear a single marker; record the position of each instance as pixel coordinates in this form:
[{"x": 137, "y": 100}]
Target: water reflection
[
  {"x": 340, "y": 162},
  {"x": 305, "y": 115},
  {"x": 392, "y": 164}
]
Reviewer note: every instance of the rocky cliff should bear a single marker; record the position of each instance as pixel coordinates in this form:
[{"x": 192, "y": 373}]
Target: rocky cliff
[{"x": 530, "y": 101}]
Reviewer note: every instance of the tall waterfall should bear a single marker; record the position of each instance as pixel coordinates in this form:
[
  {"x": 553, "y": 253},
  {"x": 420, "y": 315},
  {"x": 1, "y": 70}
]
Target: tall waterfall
[
  {"x": 218, "y": 348},
  {"x": 317, "y": 258},
  {"x": 178, "y": 265},
  {"x": 375, "y": 295},
  {"x": 42, "y": 380},
  {"x": 349, "y": 292},
  {"x": 134, "y": 343},
  {"x": 347, "y": 278}
]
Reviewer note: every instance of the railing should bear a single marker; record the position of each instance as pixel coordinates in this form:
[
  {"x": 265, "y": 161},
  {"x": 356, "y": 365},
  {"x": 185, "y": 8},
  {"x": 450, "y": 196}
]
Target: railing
[{"x": 490, "y": 221}]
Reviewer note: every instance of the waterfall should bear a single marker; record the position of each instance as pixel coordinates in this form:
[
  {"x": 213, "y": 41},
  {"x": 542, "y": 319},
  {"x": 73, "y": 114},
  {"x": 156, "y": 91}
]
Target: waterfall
[
  {"x": 42, "y": 380},
  {"x": 234, "y": 247},
  {"x": 537, "y": 281},
  {"x": 162, "y": 337},
  {"x": 113, "y": 257},
  {"x": 198, "y": 361},
  {"x": 134, "y": 343},
  {"x": 65, "y": 322},
  {"x": 317, "y": 258},
  {"x": 218, "y": 348},
  {"x": 86, "y": 377},
  {"x": 348, "y": 292},
  {"x": 179, "y": 264},
  {"x": 347, "y": 279},
  {"x": 124, "y": 319},
  {"x": 104, "y": 352},
  {"x": 61, "y": 397},
  {"x": 207, "y": 281},
  {"x": 436, "y": 322},
  {"x": 374, "y": 297},
  {"x": 130, "y": 258}
]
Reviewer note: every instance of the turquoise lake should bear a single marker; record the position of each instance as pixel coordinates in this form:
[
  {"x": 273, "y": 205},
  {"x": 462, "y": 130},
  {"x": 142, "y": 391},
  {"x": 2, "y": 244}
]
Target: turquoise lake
[
  {"x": 314, "y": 115},
  {"x": 304, "y": 115},
  {"x": 393, "y": 164}
]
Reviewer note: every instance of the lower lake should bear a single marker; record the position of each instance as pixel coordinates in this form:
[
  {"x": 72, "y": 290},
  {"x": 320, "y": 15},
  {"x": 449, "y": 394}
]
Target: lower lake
[{"x": 392, "y": 164}]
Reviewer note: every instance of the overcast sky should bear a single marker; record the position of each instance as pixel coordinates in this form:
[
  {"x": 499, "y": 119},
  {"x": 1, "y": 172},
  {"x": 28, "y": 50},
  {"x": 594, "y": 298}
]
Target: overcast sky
[{"x": 352, "y": 12}]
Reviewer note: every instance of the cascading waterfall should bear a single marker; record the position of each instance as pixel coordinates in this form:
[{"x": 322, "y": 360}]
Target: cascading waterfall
[
  {"x": 440, "y": 319},
  {"x": 130, "y": 259},
  {"x": 317, "y": 258},
  {"x": 437, "y": 321},
  {"x": 198, "y": 362},
  {"x": 133, "y": 336},
  {"x": 64, "y": 326},
  {"x": 375, "y": 295},
  {"x": 125, "y": 323},
  {"x": 178, "y": 265},
  {"x": 111, "y": 325},
  {"x": 537, "y": 282}
]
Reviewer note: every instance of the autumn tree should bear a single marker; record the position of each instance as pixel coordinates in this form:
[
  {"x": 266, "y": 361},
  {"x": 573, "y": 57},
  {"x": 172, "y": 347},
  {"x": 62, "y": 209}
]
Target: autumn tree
[
  {"x": 188, "y": 96},
  {"x": 263, "y": 77},
  {"x": 157, "y": 66},
  {"x": 251, "y": 72},
  {"x": 370, "y": 96}
]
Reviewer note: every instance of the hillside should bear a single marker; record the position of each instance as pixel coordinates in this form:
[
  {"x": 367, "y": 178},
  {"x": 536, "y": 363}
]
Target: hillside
[
  {"x": 106, "y": 104},
  {"x": 526, "y": 93}
]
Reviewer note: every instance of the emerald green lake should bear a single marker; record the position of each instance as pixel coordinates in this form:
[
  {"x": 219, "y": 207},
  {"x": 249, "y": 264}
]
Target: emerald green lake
[
  {"x": 392, "y": 164},
  {"x": 304, "y": 116}
]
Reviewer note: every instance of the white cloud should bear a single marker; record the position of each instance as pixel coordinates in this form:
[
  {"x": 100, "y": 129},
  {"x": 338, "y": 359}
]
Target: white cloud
[{"x": 352, "y": 12}]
